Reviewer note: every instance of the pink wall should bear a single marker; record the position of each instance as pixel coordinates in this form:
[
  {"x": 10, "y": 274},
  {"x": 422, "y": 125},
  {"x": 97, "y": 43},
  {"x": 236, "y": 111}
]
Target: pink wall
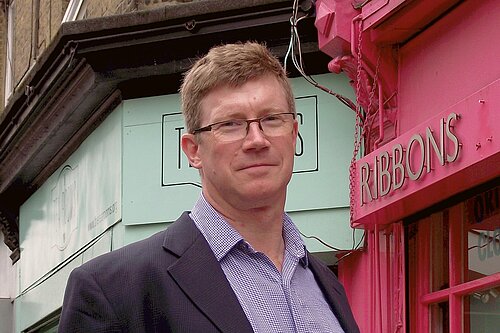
[
  {"x": 448, "y": 68},
  {"x": 452, "y": 59},
  {"x": 374, "y": 281},
  {"x": 451, "y": 66}
]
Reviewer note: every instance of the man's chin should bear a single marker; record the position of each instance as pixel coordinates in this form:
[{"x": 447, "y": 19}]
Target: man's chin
[{"x": 261, "y": 194}]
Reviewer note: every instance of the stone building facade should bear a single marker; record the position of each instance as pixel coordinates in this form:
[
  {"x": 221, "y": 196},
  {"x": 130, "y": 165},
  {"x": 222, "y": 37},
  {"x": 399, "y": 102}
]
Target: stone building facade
[{"x": 27, "y": 28}]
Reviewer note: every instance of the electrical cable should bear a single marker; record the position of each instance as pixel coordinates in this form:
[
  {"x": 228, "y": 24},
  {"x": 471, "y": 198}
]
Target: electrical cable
[
  {"x": 295, "y": 49},
  {"x": 294, "y": 53},
  {"x": 321, "y": 241},
  {"x": 357, "y": 247}
]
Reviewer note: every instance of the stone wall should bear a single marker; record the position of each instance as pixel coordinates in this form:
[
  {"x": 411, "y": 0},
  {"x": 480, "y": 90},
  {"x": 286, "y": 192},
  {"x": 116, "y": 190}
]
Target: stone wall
[
  {"x": 36, "y": 22},
  {"x": 3, "y": 54}
]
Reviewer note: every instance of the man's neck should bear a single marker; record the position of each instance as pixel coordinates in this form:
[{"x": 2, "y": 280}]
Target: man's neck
[
  {"x": 261, "y": 227},
  {"x": 265, "y": 234}
]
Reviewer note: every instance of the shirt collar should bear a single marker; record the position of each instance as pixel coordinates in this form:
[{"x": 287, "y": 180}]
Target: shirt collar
[
  {"x": 222, "y": 237},
  {"x": 294, "y": 244}
]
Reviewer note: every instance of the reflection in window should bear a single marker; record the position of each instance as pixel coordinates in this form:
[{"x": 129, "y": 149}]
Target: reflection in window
[
  {"x": 439, "y": 250},
  {"x": 482, "y": 214},
  {"x": 439, "y": 318},
  {"x": 451, "y": 253},
  {"x": 483, "y": 310}
]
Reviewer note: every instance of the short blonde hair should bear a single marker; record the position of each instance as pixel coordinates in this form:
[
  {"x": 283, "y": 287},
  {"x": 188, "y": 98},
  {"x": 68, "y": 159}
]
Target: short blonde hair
[{"x": 231, "y": 64}]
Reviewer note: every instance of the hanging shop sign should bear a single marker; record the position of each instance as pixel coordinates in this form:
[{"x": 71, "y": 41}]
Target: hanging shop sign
[{"x": 451, "y": 152}]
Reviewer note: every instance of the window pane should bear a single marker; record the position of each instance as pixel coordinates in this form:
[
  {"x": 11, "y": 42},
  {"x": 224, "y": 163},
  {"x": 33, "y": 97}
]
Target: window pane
[
  {"x": 482, "y": 311},
  {"x": 482, "y": 215},
  {"x": 439, "y": 250},
  {"x": 412, "y": 274},
  {"x": 439, "y": 314}
]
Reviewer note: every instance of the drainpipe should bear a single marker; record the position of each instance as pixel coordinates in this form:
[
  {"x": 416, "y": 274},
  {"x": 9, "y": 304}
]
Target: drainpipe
[
  {"x": 378, "y": 283},
  {"x": 354, "y": 51},
  {"x": 354, "y": 43}
]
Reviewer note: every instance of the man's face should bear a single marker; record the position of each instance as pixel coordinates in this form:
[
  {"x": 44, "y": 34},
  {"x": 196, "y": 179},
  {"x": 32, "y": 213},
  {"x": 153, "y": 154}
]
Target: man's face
[{"x": 252, "y": 172}]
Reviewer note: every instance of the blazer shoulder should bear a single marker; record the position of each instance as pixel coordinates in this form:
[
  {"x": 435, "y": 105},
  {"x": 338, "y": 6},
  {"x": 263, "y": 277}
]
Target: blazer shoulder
[{"x": 148, "y": 249}]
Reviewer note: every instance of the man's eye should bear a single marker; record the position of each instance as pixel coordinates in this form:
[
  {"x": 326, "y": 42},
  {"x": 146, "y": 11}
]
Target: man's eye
[
  {"x": 230, "y": 124},
  {"x": 272, "y": 118}
]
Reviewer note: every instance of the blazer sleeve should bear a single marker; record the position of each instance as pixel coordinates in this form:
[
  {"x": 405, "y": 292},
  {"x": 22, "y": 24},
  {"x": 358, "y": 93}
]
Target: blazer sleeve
[{"x": 85, "y": 306}]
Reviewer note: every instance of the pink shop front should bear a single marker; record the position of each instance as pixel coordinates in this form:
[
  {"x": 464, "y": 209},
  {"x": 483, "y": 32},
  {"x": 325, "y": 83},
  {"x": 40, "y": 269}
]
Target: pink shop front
[{"x": 425, "y": 182}]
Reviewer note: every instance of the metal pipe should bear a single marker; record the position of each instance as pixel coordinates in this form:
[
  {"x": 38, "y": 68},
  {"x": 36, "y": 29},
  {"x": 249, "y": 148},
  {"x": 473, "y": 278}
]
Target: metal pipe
[
  {"x": 354, "y": 52},
  {"x": 380, "y": 116},
  {"x": 378, "y": 284}
]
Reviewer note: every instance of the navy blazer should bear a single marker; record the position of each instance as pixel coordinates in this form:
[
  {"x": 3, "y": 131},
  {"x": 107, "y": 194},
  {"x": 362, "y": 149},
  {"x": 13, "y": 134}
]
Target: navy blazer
[{"x": 169, "y": 282}]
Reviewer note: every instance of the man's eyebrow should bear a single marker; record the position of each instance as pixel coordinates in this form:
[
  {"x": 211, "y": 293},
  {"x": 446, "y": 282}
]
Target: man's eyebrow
[{"x": 236, "y": 113}]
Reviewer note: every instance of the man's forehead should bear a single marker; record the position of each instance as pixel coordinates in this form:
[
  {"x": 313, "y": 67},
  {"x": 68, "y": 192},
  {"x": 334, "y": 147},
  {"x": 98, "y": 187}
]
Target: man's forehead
[{"x": 241, "y": 102}]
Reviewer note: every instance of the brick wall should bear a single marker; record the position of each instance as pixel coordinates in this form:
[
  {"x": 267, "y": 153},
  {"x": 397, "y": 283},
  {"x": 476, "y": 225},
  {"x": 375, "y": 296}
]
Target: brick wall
[
  {"x": 22, "y": 38},
  {"x": 50, "y": 17},
  {"x": 47, "y": 15},
  {"x": 3, "y": 54},
  {"x": 28, "y": 43},
  {"x": 44, "y": 25},
  {"x": 100, "y": 8},
  {"x": 149, "y": 4}
]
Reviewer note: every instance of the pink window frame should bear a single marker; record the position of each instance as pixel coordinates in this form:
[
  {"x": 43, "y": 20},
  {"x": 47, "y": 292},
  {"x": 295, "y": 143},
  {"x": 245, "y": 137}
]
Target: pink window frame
[{"x": 456, "y": 290}]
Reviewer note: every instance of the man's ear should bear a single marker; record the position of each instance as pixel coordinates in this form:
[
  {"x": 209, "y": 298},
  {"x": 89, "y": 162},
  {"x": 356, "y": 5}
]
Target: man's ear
[{"x": 190, "y": 147}]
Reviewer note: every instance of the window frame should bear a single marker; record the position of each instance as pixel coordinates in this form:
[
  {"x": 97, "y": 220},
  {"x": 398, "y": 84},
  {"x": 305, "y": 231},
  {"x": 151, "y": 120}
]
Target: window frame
[
  {"x": 72, "y": 12},
  {"x": 419, "y": 314}
]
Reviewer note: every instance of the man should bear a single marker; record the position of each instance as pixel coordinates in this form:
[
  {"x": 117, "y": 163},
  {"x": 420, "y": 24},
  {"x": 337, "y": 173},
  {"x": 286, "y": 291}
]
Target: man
[{"x": 236, "y": 262}]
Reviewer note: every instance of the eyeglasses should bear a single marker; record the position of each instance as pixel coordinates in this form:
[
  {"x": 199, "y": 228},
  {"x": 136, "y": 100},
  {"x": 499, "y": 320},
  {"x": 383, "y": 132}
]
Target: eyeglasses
[{"x": 275, "y": 124}]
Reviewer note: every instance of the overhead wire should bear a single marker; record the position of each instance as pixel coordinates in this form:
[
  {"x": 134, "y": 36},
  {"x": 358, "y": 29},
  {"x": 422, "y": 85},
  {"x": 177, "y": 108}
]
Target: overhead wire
[
  {"x": 321, "y": 241},
  {"x": 294, "y": 52}
]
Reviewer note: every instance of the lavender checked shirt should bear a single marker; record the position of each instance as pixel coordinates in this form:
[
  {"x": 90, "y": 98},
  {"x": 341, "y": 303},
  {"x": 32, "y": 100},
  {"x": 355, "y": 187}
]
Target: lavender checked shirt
[{"x": 273, "y": 301}]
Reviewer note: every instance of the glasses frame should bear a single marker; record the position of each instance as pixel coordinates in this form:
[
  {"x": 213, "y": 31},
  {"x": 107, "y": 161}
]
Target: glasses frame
[{"x": 208, "y": 128}]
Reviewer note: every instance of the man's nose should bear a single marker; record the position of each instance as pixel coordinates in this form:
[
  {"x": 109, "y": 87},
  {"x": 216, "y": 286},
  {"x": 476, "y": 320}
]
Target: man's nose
[{"x": 255, "y": 137}]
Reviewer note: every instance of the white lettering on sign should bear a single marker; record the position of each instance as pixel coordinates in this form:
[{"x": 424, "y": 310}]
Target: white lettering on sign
[
  {"x": 175, "y": 165},
  {"x": 391, "y": 168},
  {"x": 64, "y": 208},
  {"x": 111, "y": 210}
]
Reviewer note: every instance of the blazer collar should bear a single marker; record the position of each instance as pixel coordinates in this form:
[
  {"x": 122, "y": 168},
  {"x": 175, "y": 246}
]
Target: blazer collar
[{"x": 199, "y": 275}]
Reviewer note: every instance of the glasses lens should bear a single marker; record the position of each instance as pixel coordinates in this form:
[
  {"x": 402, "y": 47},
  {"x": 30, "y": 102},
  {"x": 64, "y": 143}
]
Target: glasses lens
[
  {"x": 230, "y": 130},
  {"x": 277, "y": 124},
  {"x": 236, "y": 129}
]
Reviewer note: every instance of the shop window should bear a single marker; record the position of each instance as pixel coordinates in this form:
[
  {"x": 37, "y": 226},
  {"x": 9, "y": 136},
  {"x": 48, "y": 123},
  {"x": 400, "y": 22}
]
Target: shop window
[{"x": 453, "y": 267}]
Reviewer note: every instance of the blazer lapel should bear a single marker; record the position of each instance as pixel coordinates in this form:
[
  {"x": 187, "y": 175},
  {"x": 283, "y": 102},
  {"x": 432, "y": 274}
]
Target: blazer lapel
[
  {"x": 335, "y": 295},
  {"x": 199, "y": 275}
]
